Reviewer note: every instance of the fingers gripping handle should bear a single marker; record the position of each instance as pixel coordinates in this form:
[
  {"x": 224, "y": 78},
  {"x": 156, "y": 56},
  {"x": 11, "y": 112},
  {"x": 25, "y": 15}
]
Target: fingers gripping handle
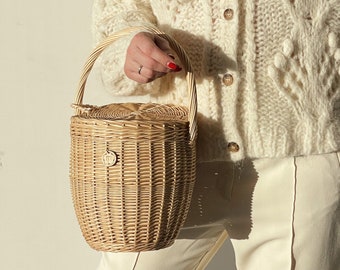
[{"x": 173, "y": 44}]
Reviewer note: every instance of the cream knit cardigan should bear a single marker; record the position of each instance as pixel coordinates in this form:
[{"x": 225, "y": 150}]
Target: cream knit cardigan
[{"x": 283, "y": 55}]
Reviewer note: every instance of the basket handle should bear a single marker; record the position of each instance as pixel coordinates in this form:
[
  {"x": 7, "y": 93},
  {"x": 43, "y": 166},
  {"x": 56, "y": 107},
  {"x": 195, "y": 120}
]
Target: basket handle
[{"x": 173, "y": 44}]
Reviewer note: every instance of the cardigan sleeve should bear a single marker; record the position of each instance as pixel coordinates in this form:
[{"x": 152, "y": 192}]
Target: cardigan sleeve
[{"x": 109, "y": 16}]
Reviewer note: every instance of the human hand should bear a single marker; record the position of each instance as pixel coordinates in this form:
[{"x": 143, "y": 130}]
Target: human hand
[{"x": 149, "y": 57}]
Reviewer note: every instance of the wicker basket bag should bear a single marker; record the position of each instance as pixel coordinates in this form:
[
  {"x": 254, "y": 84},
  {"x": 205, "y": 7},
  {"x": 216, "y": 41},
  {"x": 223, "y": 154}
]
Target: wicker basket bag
[{"x": 132, "y": 165}]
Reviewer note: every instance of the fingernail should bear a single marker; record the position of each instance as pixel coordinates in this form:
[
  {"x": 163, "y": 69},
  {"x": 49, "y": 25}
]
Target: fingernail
[
  {"x": 172, "y": 66},
  {"x": 178, "y": 69},
  {"x": 171, "y": 55}
]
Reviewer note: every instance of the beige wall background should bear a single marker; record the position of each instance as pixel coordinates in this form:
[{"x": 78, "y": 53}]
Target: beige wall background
[{"x": 42, "y": 50}]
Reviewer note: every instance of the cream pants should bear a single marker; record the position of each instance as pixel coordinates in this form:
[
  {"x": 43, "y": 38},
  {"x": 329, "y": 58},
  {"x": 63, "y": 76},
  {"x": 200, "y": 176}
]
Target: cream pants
[{"x": 280, "y": 214}]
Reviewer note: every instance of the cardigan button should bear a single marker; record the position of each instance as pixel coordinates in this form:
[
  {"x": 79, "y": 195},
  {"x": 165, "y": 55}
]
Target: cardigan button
[
  {"x": 228, "y": 79},
  {"x": 233, "y": 147},
  {"x": 228, "y": 14}
]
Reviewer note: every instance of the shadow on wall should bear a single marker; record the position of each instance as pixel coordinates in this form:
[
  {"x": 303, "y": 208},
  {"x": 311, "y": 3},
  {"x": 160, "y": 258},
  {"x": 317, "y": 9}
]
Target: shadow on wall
[{"x": 222, "y": 197}]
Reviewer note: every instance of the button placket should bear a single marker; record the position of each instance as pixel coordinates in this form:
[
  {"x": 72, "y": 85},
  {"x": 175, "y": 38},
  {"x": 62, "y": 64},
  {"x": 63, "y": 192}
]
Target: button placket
[{"x": 229, "y": 80}]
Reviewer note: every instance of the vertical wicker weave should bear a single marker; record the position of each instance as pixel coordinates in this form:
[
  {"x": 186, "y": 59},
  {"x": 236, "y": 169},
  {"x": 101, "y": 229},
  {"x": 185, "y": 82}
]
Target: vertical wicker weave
[{"x": 132, "y": 165}]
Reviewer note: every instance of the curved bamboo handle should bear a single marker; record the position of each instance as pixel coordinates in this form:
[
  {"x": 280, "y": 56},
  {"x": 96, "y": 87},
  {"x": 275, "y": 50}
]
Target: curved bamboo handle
[{"x": 173, "y": 44}]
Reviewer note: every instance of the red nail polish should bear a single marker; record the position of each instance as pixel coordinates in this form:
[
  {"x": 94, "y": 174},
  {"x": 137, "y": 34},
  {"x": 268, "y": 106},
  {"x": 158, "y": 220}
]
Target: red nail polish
[{"x": 172, "y": 66}]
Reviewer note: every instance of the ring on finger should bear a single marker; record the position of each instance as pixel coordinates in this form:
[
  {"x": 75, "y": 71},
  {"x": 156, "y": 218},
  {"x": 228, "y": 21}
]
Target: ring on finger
[{"x": 140, "y": 69}]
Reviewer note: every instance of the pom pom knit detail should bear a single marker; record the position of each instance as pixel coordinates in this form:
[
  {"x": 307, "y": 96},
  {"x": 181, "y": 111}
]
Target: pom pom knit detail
[{"x": 283, "y": 55}]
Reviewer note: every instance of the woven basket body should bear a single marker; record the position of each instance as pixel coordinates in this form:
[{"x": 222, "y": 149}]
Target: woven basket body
[{"x": 132, "y": 169}]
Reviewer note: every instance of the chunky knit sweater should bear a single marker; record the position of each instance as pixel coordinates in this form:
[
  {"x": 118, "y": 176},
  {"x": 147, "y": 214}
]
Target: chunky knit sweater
[{"x": 267, "y": 71}]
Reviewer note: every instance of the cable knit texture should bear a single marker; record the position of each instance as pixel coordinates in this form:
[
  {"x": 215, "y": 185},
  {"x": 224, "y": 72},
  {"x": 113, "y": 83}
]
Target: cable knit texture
[{"x": 284, "y": 56}]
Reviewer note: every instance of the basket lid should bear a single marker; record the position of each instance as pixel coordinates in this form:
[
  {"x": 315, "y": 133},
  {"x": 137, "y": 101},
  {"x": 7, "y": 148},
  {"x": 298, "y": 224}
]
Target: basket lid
[{"x": 135, "y": 111}]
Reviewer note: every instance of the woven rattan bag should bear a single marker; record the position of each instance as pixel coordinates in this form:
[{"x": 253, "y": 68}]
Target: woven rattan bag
[{"x": 132, "y": 165}]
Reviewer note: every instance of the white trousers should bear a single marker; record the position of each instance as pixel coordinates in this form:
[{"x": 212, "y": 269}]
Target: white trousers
[{"x": 280, "y": 214}]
